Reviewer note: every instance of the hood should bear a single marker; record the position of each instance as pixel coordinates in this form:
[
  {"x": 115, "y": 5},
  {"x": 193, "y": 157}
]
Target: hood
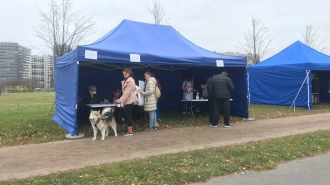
[{"x": 152, "y": 79}]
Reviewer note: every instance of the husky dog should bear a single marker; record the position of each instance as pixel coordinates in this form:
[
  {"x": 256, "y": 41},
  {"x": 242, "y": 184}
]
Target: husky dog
[{"x": 102, "y": 121}]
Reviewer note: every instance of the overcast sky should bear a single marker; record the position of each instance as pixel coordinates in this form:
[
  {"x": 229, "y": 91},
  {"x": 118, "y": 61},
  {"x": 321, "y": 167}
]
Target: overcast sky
[{"x": 216, "y": 25}]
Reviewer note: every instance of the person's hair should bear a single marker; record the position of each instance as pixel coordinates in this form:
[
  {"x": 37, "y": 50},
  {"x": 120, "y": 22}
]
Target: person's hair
[
  {"x": 224, "y": 73},
  {"x": 129, "y": 71},
  {"x": 91, "y": 87},
  {"x": 149, "y": 73}
]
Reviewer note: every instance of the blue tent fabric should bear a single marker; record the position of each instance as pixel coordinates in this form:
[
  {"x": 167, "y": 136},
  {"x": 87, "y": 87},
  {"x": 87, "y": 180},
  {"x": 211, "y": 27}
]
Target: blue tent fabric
[
  {"x": 156, "y": 45},
  {"x": 66, "y": 99},
  {"x": 286, "y": 76}
]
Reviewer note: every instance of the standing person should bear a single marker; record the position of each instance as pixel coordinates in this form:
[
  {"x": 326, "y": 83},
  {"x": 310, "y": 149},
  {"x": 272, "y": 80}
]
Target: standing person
[
  {"x": 188, "y": 89},
  {"x": 207, "y": 93},
  {"x": 150, "y": 100},
  {"x": 316, "y": 89},
  {"x": 128, "y": 98},
  {"x": 221, "y": 86},
  {"x": 157, "y": 110}
]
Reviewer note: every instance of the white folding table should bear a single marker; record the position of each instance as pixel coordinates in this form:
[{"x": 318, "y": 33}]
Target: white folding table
[{"x": 193, "y": 103}]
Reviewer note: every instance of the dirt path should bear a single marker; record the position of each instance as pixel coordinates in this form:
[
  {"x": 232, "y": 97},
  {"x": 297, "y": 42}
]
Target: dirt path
[{"x": 42, "y": 159}]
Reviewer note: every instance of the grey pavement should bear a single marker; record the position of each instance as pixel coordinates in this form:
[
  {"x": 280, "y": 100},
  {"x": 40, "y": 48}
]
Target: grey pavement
[{"x": 308, "y": 171}]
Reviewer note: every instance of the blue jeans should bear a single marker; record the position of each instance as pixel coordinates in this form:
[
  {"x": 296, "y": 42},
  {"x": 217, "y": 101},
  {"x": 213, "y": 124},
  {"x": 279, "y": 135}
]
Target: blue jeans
[
  {"x": 157, "y": 112},
  {"x": 152, "y": 119}
]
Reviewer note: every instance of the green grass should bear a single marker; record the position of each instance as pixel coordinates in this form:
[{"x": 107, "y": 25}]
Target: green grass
[
  {"x": 25, "y": 119},
  {"x": 194, "y": 166},
  {"x": 273, "y": 111}
]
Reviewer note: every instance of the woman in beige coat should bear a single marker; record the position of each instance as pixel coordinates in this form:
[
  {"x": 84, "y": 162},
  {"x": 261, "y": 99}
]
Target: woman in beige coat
[
  {"x": 128, "y": 98},
  {"x": 150, "y": 101}
]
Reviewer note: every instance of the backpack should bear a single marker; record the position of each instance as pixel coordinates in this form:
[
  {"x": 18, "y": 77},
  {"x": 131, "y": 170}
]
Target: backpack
[{"x": 157, "y": 92}]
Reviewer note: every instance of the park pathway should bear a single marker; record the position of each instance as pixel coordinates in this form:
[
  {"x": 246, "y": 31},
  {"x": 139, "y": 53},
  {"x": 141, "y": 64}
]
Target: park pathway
[{"x": 41, "y": 159}]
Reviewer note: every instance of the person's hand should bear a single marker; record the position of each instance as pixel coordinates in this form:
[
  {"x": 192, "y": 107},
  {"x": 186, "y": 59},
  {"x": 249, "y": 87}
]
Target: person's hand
[
  {"x": 329, "y": 91},
  {"x": 105, "y": 100}
]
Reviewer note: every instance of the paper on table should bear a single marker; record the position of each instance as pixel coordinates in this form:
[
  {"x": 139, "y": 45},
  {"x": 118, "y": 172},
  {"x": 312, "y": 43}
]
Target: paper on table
[{"x": 140, "y": 96}]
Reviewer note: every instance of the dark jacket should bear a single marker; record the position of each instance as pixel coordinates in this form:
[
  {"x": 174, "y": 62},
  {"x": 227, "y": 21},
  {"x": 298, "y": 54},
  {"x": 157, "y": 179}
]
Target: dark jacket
[
  {"x": 221, "y": 86},
  {"x": 209, "y": 87},
  {"x": 315, "y": 86},
  {"x": 96, "y": 99}
]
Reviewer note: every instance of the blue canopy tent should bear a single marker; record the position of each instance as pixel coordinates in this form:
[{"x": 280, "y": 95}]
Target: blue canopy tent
[
  {"x": 141, "y": 46},
  {"x": 285, "y": 78}
]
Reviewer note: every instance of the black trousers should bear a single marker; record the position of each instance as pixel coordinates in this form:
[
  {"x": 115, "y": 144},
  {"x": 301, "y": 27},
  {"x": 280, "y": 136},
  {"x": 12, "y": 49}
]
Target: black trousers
[
  {"x": 221, "y": 104},
  {"x": 128, "y": 109},
  {"x": 119, "y": 114},
  {"x": 211, "y": 110}
]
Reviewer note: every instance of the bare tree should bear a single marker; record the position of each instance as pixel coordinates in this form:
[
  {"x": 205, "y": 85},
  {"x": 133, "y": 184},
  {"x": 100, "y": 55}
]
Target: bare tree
[
  {"x": 256, "y": 41},
  {"x": 158, "y": 12},
  {"x": 311, "y": 39},
  {"x": 61, "y": 29}
]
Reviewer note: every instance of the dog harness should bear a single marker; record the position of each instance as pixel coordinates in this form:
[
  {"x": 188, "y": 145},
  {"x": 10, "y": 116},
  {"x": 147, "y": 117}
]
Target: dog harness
[{"x": 97, "y": 122}]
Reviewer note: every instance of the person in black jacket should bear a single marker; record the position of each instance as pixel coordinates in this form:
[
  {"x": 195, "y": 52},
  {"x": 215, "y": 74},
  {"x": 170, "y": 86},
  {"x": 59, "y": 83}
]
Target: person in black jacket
[
  {"x": 93, "y": 98},
  {"x": 221, "y": 86}
]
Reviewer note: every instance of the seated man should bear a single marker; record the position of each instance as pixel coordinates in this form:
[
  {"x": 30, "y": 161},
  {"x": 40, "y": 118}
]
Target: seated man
[{"x": 93, "y": 98}]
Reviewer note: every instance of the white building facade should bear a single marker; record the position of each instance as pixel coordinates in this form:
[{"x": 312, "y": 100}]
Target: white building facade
[{"x": 42, "y": 68}]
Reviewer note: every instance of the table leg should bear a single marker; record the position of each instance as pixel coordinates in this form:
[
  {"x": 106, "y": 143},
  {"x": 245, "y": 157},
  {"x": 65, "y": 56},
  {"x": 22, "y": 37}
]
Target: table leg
[{"x": 191, "y": 110}]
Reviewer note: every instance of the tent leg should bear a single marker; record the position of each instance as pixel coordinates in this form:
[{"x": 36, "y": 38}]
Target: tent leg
[
  {"x": 294, "y": 101},
  {"x": 77, "y": 136}
]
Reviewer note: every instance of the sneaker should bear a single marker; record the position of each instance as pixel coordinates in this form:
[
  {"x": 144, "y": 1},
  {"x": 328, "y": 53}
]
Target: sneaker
[
  {"x": 149, "y": 129},
  {"x": 156, "y": 124},
  {"x": 214, "y": 126},
  {"x": 227, "y": 126},
  {"x": 155, "y": 128},
  {"x": 210, "y": 125},
  {"x": 159, "y": 120},
  {"x": 127, "y": 133}
]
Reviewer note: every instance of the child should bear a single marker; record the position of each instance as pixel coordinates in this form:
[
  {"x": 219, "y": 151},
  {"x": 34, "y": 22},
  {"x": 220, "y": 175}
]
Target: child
[
  {"x": 116, "y": 95},
  {"x": 119, "y": 111}
]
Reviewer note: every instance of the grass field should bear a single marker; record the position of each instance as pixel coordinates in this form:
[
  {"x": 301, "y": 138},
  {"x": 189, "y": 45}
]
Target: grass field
[{"x": 25, "y": 119}]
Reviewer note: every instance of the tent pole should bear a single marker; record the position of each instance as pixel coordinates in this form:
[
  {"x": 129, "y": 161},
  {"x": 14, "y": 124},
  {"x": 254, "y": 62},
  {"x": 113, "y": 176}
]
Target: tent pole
[
  {"x": 51, "y": 108},
  {"x": 248, "y": 84},
  {"x": 294, "y": 101}
]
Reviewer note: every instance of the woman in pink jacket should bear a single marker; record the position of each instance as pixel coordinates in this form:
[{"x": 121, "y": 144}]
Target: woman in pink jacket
[{"x": 128, "y": 98}]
